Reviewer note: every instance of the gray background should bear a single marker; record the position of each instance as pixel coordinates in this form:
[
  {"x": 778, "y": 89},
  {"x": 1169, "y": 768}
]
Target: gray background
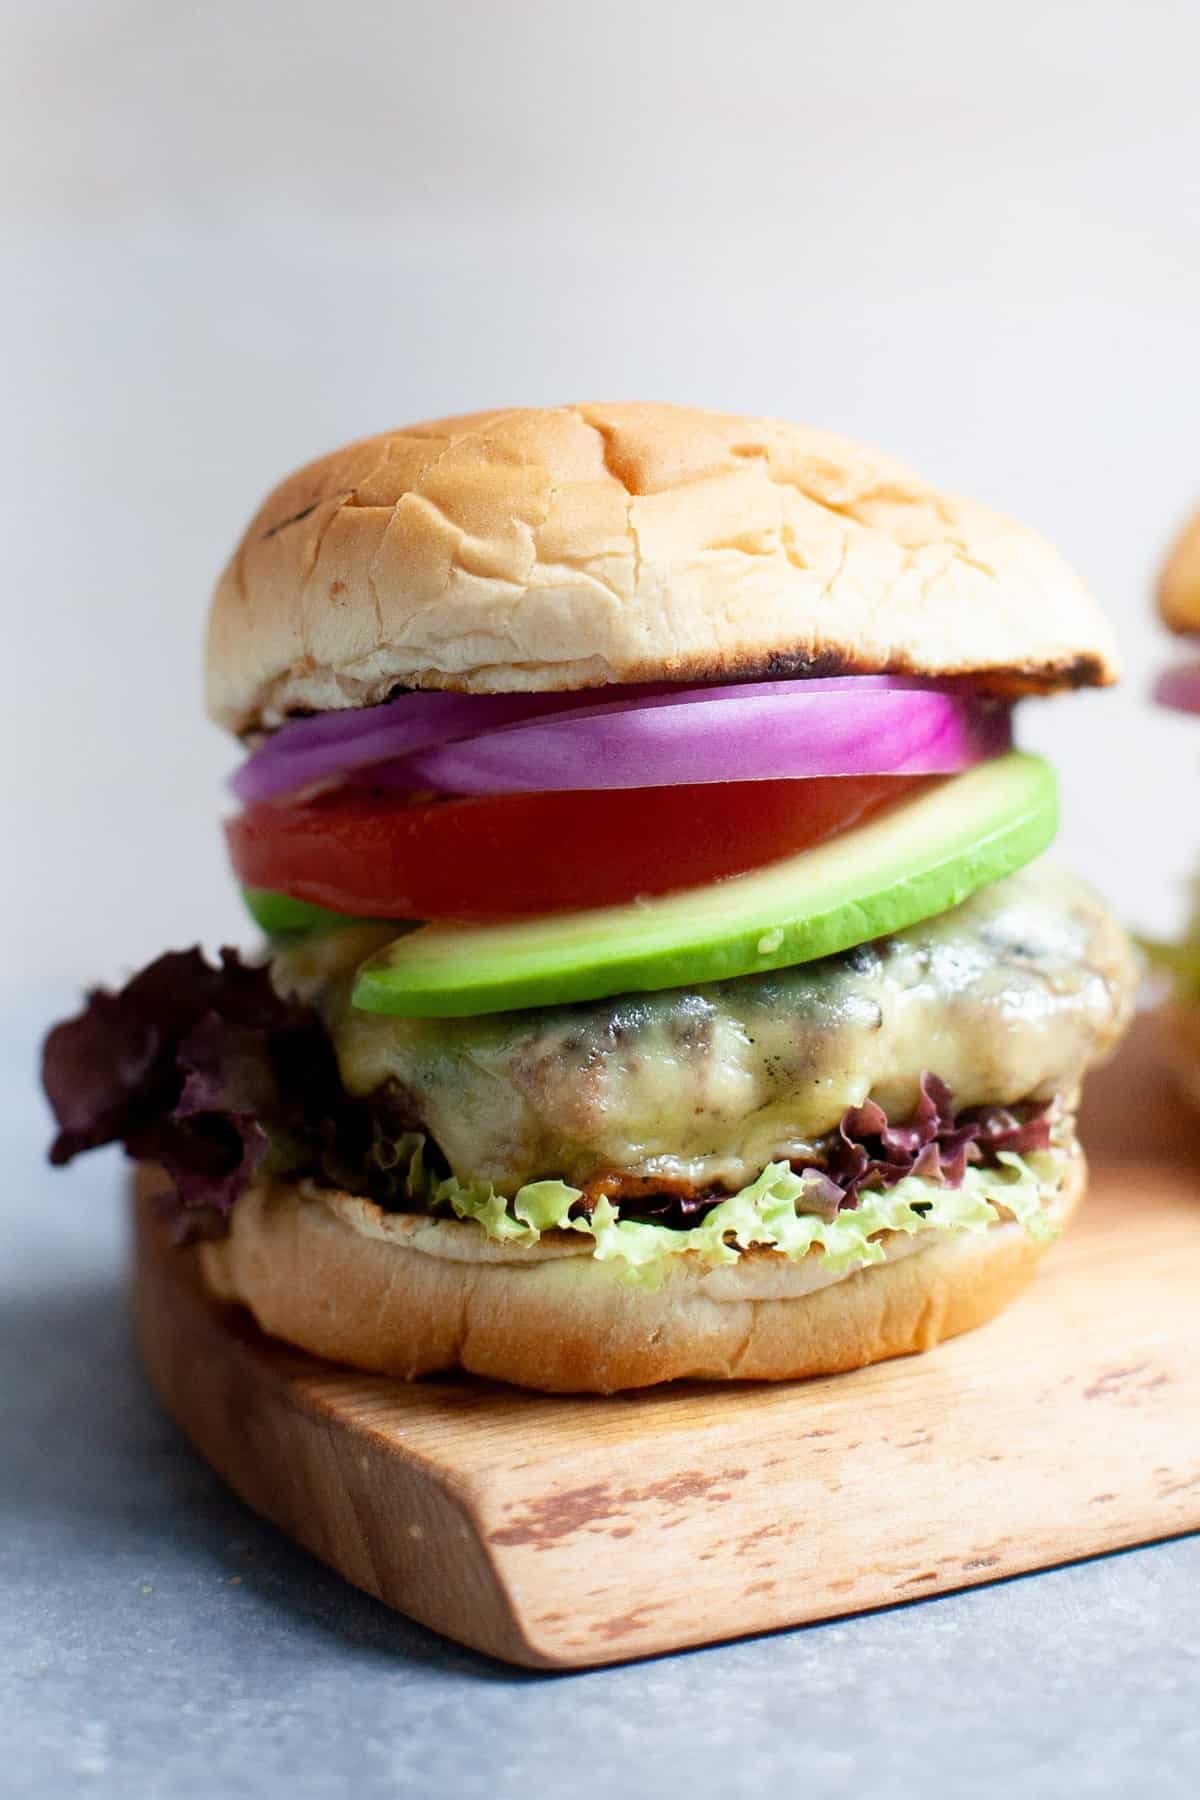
[{"x": 237, "y": 234}]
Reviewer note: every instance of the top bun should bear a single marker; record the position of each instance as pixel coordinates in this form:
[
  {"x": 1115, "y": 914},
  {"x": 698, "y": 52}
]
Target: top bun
[
  {"x": 1179, "y": 584},
  {"x": 569, "y": 547}
]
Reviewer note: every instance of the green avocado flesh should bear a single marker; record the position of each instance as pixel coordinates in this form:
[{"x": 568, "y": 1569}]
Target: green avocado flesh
[
  {"x": 279, "y": 915},
  {"x": 919, "y": 859}
]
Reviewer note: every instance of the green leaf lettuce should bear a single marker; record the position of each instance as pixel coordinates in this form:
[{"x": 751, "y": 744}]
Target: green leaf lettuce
[{"x": 767, "y": 1213}]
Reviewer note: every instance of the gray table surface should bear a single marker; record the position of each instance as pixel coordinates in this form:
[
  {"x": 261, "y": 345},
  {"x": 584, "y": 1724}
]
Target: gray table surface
[{"x": 157, "y": 1639}]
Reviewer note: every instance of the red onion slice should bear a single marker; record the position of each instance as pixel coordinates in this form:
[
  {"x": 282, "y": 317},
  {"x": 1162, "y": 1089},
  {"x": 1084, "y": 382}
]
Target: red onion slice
[
  {"x": 1179, "y": 688},
  {"x": 766, "y": 732},
  {"x": 649, "y": 736},
  {"x": 331, "y": 745}
]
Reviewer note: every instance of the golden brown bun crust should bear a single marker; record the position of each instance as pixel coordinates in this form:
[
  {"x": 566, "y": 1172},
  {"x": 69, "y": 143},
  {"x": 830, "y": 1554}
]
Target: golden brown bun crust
[
  {"x": 570, "y": 547},
  {"x": 564, "y": 1323},
  {"x": 1179, "y": 584}
]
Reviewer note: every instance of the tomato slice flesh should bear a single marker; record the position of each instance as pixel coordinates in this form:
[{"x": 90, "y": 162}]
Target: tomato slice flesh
[{"x": 378, "y": 855}]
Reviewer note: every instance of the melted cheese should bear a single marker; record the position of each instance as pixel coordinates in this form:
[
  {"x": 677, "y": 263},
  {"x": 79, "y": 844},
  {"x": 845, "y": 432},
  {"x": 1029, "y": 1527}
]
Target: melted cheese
[{"x": 1008, "y": 998}]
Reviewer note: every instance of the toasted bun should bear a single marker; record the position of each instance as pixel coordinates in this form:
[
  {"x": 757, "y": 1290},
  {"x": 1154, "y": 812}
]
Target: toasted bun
[
  {"x": 410, "y": 1296},
  {"x": 569, "y": 547},
  {"x": 1179, "y": 584}
]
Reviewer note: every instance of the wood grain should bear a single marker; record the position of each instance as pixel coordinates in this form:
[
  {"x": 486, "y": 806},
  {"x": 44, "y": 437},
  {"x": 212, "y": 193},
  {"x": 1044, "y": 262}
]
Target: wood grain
[{"x": 562, "y": 1532}]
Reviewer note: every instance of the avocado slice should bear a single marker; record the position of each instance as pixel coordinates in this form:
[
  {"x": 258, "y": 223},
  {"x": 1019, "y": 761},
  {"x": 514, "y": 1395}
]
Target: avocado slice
[
  {"x": 922, "y": 857},
  {"x": 281, "y": 916}
]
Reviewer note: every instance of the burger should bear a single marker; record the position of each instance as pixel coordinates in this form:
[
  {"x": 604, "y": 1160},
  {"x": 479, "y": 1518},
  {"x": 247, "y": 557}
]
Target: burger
[
  {"x": 1179, "y": 687},
  {"x": 661, "y": 974}
]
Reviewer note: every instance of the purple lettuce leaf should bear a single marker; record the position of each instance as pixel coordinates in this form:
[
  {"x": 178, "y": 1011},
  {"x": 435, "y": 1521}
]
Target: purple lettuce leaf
[
  {"x": 209, "y": 1073},
  {"x": 868, "y": 1151}
]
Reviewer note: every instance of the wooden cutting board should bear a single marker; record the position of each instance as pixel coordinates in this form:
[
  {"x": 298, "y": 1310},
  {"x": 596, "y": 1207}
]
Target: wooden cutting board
[{"x": 564, "y": 1532}]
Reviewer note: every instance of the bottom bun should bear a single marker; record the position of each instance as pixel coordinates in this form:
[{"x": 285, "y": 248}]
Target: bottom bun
[
  {"x": 1179, "y": 1039},
  {"x": 405, "y": 1295}
]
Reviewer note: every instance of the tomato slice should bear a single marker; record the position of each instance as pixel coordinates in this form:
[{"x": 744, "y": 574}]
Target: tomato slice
[{"x": 377, "y": 855}]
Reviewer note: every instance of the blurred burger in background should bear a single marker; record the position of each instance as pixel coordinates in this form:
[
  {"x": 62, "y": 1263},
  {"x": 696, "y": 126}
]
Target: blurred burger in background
[{"x": 1179, "y": 687}]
